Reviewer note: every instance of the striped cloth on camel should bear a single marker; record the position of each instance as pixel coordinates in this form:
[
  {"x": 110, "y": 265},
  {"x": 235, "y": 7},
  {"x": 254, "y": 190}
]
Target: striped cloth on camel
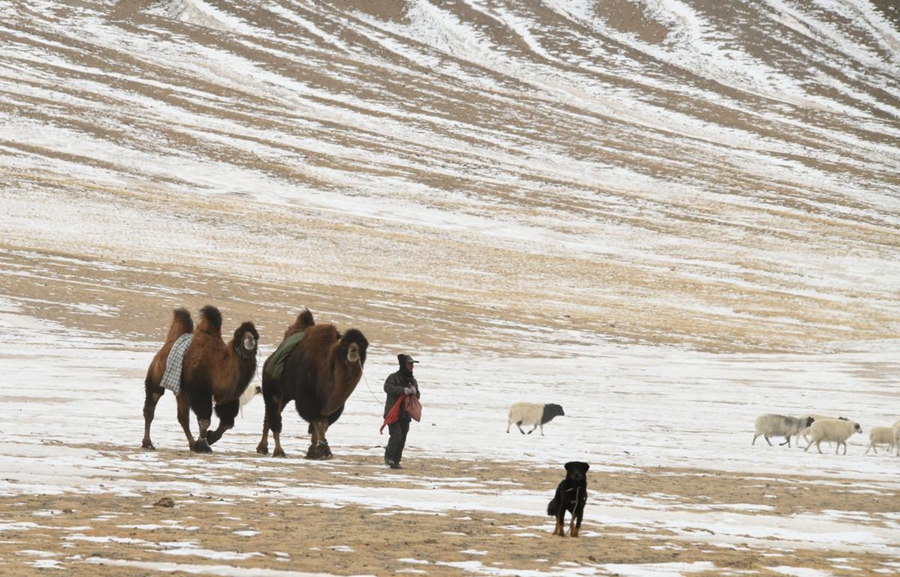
[{"x": 172, "y": 377}]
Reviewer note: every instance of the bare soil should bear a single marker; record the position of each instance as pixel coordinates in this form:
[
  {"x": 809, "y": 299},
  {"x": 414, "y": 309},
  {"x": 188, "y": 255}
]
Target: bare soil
[{"x": 89, "y": 533}]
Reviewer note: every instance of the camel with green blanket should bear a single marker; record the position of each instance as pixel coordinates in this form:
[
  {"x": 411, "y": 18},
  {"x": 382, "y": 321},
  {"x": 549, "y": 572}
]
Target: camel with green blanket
[
  {"x": 318, "y": 368},
  {"x": 273, "y": 370}
]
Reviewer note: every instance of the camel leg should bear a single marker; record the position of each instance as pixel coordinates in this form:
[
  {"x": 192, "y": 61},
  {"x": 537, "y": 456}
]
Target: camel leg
[
  {"x": 263, "y": 446},
  {"x": 226, "y": 413},
  {"x": 319, "y": 445},
  {"x": 202, "y": 444},
  {"x": 273, "y": 421},
  {"x": 322, "y": 448},
  {"x": 184, "y": 418},
  {"x": 150, "y": 400},
  {"x": 313, "y": 441},
  {"x": 201, "y": 404}
]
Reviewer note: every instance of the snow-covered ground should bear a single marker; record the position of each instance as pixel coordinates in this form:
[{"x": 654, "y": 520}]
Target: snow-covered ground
[
  {"x": 668, "y": 216},
  {"x": 66, "y": 397}
]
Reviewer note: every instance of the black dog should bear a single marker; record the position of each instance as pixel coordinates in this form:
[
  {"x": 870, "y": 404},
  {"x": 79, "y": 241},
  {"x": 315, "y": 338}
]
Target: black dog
[{"x": 571, "y": 496}]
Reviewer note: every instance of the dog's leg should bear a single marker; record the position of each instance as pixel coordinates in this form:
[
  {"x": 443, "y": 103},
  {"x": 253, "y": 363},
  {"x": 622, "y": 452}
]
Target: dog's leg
[
  {"x": 577, "y": 513},
  {"x": 561, "y": 517}
]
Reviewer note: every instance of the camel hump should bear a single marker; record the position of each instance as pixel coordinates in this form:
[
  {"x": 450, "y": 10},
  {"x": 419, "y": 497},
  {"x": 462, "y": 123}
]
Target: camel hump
[
  {"x": 181, "y": 323},
  {"x": 211, "y": 321},
  {"x": 304, "y": 321}
]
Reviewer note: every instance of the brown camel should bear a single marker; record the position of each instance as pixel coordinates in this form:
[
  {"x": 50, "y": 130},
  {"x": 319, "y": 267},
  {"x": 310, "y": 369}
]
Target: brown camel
[
  {"x": 304, "y": 321},
  {"x": 212, "y": 371},
  {"x": 319, "y": 375}
]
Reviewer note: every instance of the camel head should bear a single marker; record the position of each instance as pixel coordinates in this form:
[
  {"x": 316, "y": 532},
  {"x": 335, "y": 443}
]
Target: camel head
[
  {"x": 352, "y": 347},
  {"x": 346, "y": 359},
  {"x": 245, "y": 339}
]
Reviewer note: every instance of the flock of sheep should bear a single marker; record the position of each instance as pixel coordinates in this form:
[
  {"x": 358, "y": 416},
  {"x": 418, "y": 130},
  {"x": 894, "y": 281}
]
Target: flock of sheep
[
  {"x": 813, "y": 428},
  {"x": 817, "y": 428}
]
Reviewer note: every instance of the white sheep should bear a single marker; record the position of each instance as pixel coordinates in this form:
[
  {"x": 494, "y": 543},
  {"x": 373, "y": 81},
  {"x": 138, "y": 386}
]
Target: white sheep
[
  {"x": 805, "y": 431},
  {"x": 881, "y": 436},
  {"x": 779, "y": 426},
  {"x": 832, "y": 430},
  {"x": 535, "y": 414}
]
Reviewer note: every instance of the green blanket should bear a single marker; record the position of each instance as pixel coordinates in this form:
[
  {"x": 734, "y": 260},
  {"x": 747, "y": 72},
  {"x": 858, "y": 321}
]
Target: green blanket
[{"x": 275, "y": 366}]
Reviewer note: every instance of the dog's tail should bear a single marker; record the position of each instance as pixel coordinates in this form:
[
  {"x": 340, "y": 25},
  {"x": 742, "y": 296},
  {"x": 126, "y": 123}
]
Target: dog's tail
[{"x": 553, "y": 507}]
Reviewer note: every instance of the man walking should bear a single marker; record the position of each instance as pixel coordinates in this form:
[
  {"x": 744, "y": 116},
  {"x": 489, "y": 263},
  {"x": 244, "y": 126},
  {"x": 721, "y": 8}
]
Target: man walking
[{"x": 400, "y": 383}]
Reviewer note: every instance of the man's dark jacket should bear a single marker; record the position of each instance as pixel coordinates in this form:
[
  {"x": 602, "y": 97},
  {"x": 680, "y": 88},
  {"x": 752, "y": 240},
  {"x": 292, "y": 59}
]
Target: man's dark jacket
[{"x": 394, "y": 385}]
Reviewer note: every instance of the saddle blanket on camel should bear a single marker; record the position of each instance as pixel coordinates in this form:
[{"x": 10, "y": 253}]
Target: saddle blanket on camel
[
  {"x": 275, "y": 367},
  {"x": 172, "y": 377}
]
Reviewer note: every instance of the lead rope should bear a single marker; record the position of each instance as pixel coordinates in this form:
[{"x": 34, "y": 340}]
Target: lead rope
[{"x": 358, "y": 362}]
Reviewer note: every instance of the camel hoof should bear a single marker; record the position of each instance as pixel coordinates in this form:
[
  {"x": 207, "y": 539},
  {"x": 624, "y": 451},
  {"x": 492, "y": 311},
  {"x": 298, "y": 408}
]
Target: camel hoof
[
  {"x": 278, "y": 453},
  {"x": 323, "y": 451},
  {"x": 262, "y": 450},
  {"x": 201, "y": 446},
  {"x": 148, "y": 445},
  {"x": 213, "y": 436}
]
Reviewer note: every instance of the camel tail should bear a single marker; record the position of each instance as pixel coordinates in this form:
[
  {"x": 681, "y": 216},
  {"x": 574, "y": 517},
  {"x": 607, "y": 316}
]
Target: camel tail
[
  {"x": 181, "y": 323},
  {"x": 211, "y": 321}
]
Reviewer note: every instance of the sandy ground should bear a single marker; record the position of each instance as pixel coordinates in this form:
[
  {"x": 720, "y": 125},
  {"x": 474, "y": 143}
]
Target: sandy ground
[
  {"x": 503, "y": 181},
  {"x": 108, "y": 531},
  {"x": 90, "y": 534}
]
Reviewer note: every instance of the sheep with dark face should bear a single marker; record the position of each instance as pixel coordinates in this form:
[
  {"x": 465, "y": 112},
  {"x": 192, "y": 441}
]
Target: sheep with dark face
[{"x": 534, "y": 414}]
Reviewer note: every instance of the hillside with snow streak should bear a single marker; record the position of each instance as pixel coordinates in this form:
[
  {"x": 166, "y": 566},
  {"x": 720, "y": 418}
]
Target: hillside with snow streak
[{"x": 512, "y": 174}]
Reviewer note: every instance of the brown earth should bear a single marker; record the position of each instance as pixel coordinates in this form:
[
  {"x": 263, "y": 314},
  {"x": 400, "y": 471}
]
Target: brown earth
[{"x": 300, "y": 535}]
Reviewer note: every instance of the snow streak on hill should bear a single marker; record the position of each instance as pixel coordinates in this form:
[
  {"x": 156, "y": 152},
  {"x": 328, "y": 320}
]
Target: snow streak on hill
[{"x": 725, "y": 174}]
